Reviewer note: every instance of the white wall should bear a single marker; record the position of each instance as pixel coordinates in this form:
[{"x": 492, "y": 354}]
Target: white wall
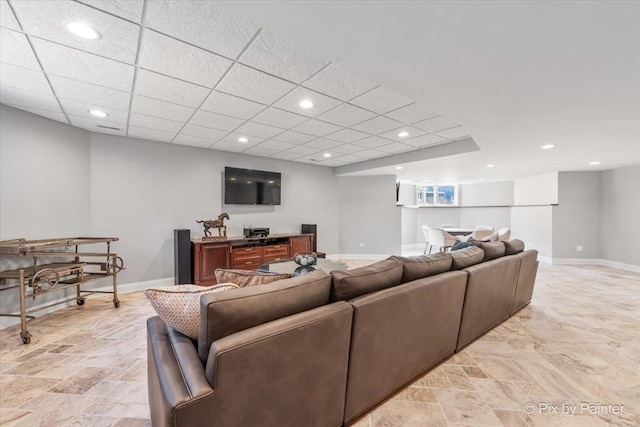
[
  {"x": 369, "y": 215},
  {"x": 534, "y": 226},
  {"x": 536, "y": 190},
  {"x": 494, "y": 217},
  {"x": 487, "y": 194},
  {"x": 619, "y": 211},
  {"x": 409, "y": 223},
  {"x": 407, "y": 194}
]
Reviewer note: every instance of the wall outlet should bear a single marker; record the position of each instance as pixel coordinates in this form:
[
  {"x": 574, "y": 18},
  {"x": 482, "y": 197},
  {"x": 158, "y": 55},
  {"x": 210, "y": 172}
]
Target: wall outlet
[
  {"x": 579, "y": 248},
  {"x": 362, "y": 245}
]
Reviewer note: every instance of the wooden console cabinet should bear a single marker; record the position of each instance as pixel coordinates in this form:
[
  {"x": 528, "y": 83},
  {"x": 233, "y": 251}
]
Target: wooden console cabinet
[{"x": 243, "y": 253}]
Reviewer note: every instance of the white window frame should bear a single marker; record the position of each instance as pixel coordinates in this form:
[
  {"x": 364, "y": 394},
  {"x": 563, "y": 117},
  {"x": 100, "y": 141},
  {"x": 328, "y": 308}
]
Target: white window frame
[{"x": 422, "y": 202}]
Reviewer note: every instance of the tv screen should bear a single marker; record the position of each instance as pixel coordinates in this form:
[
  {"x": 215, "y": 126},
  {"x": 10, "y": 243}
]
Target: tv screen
[{"x": 251, "y": 187}]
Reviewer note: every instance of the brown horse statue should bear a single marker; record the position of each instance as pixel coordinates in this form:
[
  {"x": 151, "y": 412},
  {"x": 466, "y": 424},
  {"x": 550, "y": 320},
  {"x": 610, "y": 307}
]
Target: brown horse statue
[{"x": 215, "y": 223}]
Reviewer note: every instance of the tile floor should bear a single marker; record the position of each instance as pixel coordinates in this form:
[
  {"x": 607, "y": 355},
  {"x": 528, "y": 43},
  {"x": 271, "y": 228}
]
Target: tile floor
[{"x": 577, "y": 343}]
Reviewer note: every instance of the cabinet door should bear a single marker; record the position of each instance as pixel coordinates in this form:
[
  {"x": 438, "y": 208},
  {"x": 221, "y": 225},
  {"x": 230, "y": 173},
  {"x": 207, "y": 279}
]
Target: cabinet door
[
  {"x": 213, "y": 256},
  {"x": 299, "y": 244}
]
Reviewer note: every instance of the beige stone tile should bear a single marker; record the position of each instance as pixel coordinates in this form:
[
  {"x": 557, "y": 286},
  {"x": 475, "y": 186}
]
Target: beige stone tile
[
  {"x": 16, "y": 390},
  {"x": 474, "y": 372},
  {"x": 501, "y": 394},
  {"x": 60, "y": 372},
  {"x": 461, "y": 358},
  {"x": 408, "y": 414},
  {"x": 82, "y": 381},
  {"x": 417, "y": 394},
  {"x": 55, "y": 409},
  {"x": 133, "y": 422},
  {"x": 458, "y": 378},
  {"x": 10, "y": 417},
  {"x": 85, "y": 420},
  {"x": 435, "y": 378},
  {"x": 460, "y": 406},
  {"x": 510, "y": 418}
]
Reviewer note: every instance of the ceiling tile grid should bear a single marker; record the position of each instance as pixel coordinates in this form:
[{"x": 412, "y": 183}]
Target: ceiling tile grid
[{"x": 189, "y": 73}]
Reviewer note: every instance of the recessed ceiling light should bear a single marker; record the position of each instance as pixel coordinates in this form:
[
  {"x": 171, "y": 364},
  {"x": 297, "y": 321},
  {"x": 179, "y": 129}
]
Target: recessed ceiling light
[
  {"x": 243, "y": 139},
  {"x": 547, "y": 146},
  {"x": 398, "y": 167},
  {"x": 83, "y": 30},
  {"x": 326, "y": 155},
  {"x": 270, "y": 182},
  {"x": 306, "y": 104},
  {"x": 491, "y": 165},
  {"x": 481, "y": 179},
  {"x": 594, "y": 163},
  {"x": 403, "y": 133},
  {"x": 232, "y": 179},
  {"x": 98, "y": 113}
]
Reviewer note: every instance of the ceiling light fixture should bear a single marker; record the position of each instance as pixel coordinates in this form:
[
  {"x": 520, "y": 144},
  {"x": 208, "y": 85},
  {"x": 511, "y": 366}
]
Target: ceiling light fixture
[
  {"x": 98, "y": 113},
  {"x": 547, "y": 146},
  {"x": 594, "y": 163},
  {"x": 327, "y": 155},
  {"x": 398, "y": 167},
  {"x": 83, "y": 30},
  {"x": 243, "y": 139},
  {"x": 481, "y": 179},
  {"x": 306, "y": 104},
  {"x": 403, "y": 133},
  {"x": 491, "y": 165}
]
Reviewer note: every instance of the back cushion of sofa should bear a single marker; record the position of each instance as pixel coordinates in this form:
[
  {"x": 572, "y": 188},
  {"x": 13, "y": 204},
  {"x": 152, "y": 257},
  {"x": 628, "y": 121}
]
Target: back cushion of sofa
[
  {"x": 492, "y": 250},
  {"x": 349, "y": 284},
  {"x": 225, "y": 313},
  {"x": 513, "y": 247},
  {"x": 418, "y": 267},
  {"x": 466, "y": 257}
]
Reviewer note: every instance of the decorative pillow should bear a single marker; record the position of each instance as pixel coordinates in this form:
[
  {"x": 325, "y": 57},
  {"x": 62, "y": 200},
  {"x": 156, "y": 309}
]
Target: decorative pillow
[
  {"x": 466, "y": 257},
  {"x": 492, "y": 250},
  {"x": 244, "y": 278},
  {"x": 417, "y": 267},
  {"x": 348, "y": 284},
  {"x": 461, "y": 245},
  {"x": 179, "y": 306},
  {"x": 513, "y": 247}
]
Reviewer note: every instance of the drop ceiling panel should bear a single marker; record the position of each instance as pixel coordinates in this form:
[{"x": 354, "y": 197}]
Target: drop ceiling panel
[
  {"x": 230, "y": 105},
  {"x": 282, "y": 58},
  {"x": 15, "y": 49},
  {"x": 395, "y": 147},
  {"x": 201, "y": 24},
  {"x": 295, "y": 138},
  {"x": 381, "y": 100},
  {"x": 203, "y": 132},
  {"x": 89, "y": 93},
  {"x": 275, "y": 145},
  {"x": 75, "y": 64},
  {"x": 347, "y": 135},
  {"x": 260, "y": 151},
  {"x": 394, "y": 134},
  {"x": 24, "y": 78},
  {"x": 378, "y": 125},
  {"x": 338, "y": 82},
  {"x": 149, "y": 122},
  {"x": 128, "y": 9},
  {"x": 303, "y": 150},
  {"x": 454, "y": 133},
  {"x": 259, "y": 130},
  {"x": 234, "y": 137},
  {"x": 193, "y": 141},
  {"x": 372, "y": 142},
  {"x": 412, "y": 114},
  {"x": 98, "y": 125},
  {"x": 152, "y": 134},
  {"x": 254, "y": 85},
  {"x": 371, "y": 154},
  {"x": 322, "y": 144},
  {"x": 425, "y": 140},
  {"x": 162, "y": 109},
  {"x": 321, "y": 103},
  {"x": 316, "y": 128},
  {"x": 168, "y": 89},
  {"x": 279, "y": 118},
  {"x": 27, "y": 98},
  {"x": 49, "y": 19},
  {"x": 44, "y": 113},
  {"x": 347, "y": 158},
  {"x": 348, "y": 149},
  {"x": 437, "y": 123},
  {"x": 81, "y": 109},
  {"x": 216, "y": 121},
  {"x": 228, "y": 146},
  {"x": 346, "y": 115},
  {"x": 174, "y": 58},
  {"x": 286, "y": 155},
  {"x": 7, "y": 18}
]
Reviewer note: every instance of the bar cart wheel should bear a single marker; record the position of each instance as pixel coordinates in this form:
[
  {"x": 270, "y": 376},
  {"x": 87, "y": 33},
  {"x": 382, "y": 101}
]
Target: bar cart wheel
[
  {"x": 26, "y": 337},
  {"x": 80, "y": 301},
  {"x": 116, "y": 303}
]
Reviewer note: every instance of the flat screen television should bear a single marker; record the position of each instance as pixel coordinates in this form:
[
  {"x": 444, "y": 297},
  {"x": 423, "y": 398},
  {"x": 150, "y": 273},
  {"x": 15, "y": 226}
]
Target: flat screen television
[{"x": 251, "y": 187}]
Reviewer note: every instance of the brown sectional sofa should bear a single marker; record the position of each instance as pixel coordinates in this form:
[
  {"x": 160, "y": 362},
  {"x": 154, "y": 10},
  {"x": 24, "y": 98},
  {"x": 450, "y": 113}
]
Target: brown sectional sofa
[{"x": 323, "y": 350}]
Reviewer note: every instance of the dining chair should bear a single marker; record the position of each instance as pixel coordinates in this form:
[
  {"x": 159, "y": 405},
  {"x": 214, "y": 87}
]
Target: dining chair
[
  {"x": 504, "y": 234},
  {"x": 442, "y": 239},
  {"x": 425, "y": 231},
  {"x": 481, "y": 232}
]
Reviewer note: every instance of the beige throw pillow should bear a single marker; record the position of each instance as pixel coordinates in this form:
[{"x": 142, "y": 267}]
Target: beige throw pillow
[
  {"x": 244, "y": 278},
  {"x": 179, "y": 306}
]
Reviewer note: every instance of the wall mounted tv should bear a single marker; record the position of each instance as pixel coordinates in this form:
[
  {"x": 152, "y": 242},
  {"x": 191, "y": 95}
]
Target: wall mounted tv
[{"x": 251, "y": 187}]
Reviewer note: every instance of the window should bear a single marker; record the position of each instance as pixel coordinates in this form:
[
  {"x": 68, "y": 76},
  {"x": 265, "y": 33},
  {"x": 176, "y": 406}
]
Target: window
[{"x": 437, "y": 195}]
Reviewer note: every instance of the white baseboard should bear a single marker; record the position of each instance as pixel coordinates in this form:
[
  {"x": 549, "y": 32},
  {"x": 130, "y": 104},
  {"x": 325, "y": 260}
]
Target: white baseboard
[
  {"x": 358, "y": 256},
  {"x": 596, "y": 261},
  {"x": 122, "y": 289},
  {"x": 545, "y": 259}
]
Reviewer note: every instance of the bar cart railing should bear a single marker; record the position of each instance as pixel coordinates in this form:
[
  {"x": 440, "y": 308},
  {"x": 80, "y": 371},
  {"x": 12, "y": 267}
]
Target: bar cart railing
[{"x": 75, "y": 269}]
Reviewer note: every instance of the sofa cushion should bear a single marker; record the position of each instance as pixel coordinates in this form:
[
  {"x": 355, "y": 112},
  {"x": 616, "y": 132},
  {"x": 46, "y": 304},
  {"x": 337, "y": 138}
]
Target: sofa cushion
[
  {"x": 244, "y": 278},
  {"x": 459, "y": 244},
  {"x": 229, "y": 312},
  {"x": 348, "y": 284},
  {"x": 492, "y": 250},
  {"x": 466, "y": 257},
  {"x": 179, "y": 306},
  {"x": 513, "y": 247},
  {"x": 417, "y": 267}
]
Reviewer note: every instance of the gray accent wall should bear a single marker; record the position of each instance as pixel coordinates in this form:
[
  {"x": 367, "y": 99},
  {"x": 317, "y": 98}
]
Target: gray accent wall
[{"x": 619, "y": 213}]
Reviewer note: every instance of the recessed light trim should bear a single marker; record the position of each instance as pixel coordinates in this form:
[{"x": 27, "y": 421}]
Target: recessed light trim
[
  {"x": 306, "y": 104},
  {"x": 548, "y": 146},
  {"x": 398, "y": 167},
  {"x": 98, "y": 113},
  {"x": 83, "y": 30},
  {"x": 594, "y": 163},
  {"x": 327, "y": 155},
  {"x": 403, "y": 134},
  {"x": 491, "y": 165},
  {"x": 243, "y": 139}
]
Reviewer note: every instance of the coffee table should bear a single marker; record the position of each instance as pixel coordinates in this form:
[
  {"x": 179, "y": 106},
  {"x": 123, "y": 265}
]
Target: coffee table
[{"x": 290, "y": 267}]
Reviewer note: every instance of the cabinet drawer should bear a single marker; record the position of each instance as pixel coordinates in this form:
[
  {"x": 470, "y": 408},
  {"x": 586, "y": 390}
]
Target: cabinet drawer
[
  {"x": 253, "y": 264},
  {"x": 275, "y": 257},
  {"x": 279, "y": 251},
  {"x": 247, "y": 254}
]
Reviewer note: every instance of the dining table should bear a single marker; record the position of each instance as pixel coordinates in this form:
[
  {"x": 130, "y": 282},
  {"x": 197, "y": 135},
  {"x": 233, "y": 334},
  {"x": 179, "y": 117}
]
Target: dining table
[{"x": 457, "y": 231}]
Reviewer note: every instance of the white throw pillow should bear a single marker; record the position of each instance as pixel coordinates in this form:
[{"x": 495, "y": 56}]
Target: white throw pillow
[{"x": 179, "y": 306}]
